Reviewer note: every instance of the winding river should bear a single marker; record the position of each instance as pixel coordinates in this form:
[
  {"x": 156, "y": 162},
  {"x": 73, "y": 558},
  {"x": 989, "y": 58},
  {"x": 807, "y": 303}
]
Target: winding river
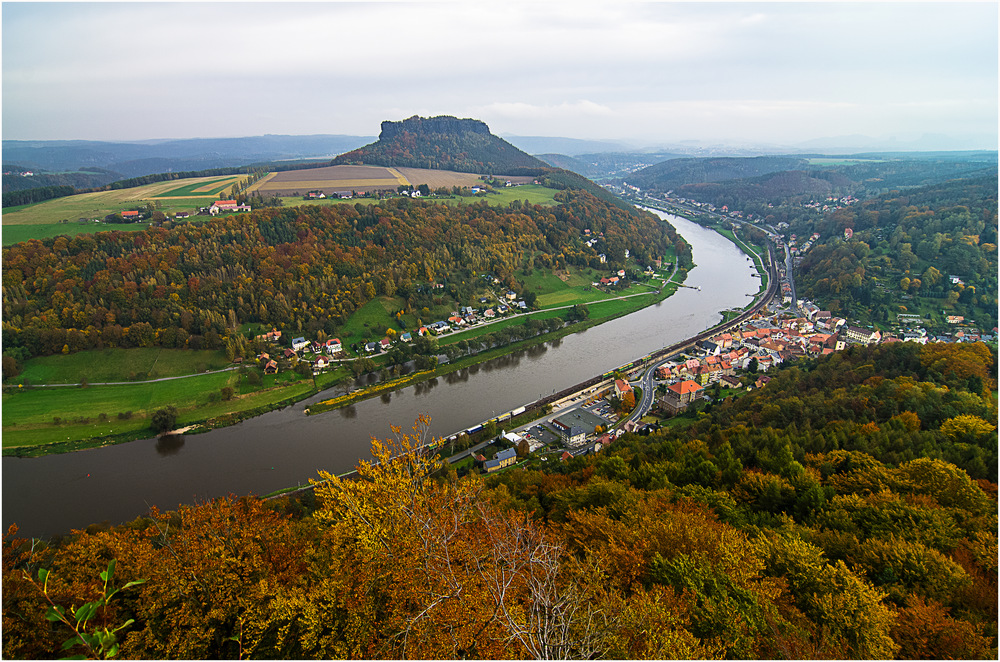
[{"x": 54, "y": 494}]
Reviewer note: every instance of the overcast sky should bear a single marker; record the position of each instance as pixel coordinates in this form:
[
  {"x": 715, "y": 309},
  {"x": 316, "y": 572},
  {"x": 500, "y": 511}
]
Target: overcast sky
[{"x": 648, "y": 71}]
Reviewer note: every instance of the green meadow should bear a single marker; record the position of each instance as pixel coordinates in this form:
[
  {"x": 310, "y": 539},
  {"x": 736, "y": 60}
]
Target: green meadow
[
  {"x": 39, "y": 416},
  {"x": 118, "y": 365}
]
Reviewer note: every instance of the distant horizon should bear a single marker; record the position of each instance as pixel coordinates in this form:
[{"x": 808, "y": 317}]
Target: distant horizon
[
  {"x": 743, "y": 73},
  {"x": 819, "y": 144}
]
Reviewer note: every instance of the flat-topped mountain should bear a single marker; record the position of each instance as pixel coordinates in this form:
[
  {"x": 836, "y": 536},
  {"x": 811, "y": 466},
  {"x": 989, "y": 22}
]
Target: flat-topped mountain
[{"x": 443, "y": 143}]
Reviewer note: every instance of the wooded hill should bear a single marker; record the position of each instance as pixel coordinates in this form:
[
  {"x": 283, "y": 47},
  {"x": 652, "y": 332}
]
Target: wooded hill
[
  {"x": 676, "y": 173},
  {"x": 905, "y": 249},
  {"x": 303, "y": 269},
  {"x": 443, "y": 143},
  {"x": 819, "y": 517},
  {"x": 749, "y": 184}
]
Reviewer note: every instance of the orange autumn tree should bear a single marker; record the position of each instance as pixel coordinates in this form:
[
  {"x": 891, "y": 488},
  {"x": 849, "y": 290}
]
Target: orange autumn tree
[{"x": 432, "y": 570}]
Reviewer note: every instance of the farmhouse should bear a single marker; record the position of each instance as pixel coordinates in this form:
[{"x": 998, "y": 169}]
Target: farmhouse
[{"x": 226, "y": 206}]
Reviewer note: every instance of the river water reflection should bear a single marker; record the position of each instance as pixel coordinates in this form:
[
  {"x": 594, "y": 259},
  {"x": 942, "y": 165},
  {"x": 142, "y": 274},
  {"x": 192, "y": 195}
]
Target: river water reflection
[{"x": 53, "y": 494}]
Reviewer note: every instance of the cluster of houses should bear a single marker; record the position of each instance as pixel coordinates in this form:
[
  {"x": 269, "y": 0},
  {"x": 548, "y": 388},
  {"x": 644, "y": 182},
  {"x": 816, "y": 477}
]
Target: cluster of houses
[
  {"x": 774, "y": 341},
  {"x": 796, "y": 250},
  {"x": 612, "y": 280},
  {"x": 467, "y": 316},
  {"x": 322, "y": 352}
]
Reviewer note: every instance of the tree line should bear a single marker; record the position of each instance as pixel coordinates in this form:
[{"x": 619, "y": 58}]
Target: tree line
[{"x": 301, "y": 269}]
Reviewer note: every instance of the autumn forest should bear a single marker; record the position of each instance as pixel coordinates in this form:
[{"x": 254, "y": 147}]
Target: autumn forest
[
  {"x": 305, "y": 269},
  {"x": 845, "y": 510}
]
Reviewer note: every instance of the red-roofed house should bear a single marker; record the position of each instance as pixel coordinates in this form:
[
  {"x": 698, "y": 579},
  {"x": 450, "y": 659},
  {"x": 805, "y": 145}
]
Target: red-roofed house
[
  {"x": 680, "y": 395},
  {"x": 621, "y": 388},
  {"x": 226, "y": 205}
]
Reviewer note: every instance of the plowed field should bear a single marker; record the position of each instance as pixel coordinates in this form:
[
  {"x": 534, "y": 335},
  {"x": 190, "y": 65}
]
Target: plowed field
[
  {"x": 331, "y": 179},
  {"x": 334, "y": 179}
]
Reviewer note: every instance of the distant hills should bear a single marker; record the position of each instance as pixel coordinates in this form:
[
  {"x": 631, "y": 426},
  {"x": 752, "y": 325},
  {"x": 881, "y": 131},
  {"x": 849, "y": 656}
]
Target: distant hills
[
  {"x": 443, "y": 143},
  {"x": 121, "y": 160},
  {"x": 738, "y": 182}
]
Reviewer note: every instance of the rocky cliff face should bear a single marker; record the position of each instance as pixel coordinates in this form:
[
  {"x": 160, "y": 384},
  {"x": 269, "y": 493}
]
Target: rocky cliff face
[{"x": 439, "y": 124}]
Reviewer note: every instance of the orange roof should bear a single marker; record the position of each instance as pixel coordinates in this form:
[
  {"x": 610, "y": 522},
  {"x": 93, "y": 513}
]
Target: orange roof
[{"x": 685, "y": 387}]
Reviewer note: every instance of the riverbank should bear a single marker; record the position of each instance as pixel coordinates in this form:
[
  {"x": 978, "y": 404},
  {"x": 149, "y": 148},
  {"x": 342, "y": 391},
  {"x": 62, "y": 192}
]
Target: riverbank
[
  {"x": 600, "y": 312},
  {"x": 121, "y": 417},
  {"x": 284, "y": 448}
]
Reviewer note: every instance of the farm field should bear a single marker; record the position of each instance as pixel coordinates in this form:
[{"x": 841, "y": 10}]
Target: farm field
[
  {"x": 45, "y": 219},
  {"x": 362, "y": 179},
  {"x": 534, "y": 194},
  {"x": 330, "y": 179},
  {"x": 118, "y": 365}
]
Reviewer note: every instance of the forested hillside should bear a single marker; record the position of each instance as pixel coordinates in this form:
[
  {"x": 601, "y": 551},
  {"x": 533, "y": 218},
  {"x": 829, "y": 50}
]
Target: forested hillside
[
  {"x": 443, "y": 143},
  {"x": 675, "y": 173},
  {"x": 922, "y": 251},
  {"x": 847, "y": 510},
  {"x": 751, "y": 184},
  {"x": 15, "y": 183},
  {"x": 302, "y": 269}
]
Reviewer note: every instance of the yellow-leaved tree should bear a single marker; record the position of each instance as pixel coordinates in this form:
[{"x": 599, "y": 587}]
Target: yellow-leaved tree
[{"x": 427, "y": 568}]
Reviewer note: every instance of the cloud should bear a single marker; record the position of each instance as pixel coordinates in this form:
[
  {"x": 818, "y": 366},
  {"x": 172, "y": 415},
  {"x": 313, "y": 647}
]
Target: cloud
[
  {"x": 520, "y": 110},
  {"x": 598, "y": 69}
]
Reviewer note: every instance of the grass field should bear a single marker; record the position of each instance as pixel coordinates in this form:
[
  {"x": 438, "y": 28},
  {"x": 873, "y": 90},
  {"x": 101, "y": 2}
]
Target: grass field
[
  {"x": 371, "y": 318},
  {"x": 117, "y": 365},
  {"x": 28, "y": 406},
  {"x": 29, "y": 414}
]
